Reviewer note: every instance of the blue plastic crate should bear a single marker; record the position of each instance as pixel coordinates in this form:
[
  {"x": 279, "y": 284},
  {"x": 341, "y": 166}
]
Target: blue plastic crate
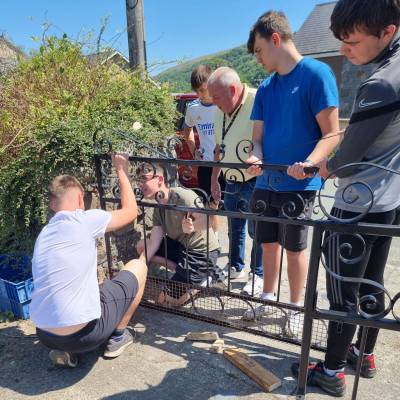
[
  {"x": 16, "y": 281},
  {"x": 19, "y": 310}
]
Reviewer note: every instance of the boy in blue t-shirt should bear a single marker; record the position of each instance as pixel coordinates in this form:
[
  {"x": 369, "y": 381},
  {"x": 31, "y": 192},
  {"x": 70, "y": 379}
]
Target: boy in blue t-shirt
[{"x": 294, "y": 108}]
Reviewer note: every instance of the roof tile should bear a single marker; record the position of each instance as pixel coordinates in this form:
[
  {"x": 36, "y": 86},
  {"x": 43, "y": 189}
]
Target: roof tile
[{"x": 314, "y": 36}]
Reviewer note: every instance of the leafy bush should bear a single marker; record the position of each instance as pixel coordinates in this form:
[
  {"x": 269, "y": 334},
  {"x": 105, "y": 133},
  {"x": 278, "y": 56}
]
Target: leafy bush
[{"x": 50, "y": 107}]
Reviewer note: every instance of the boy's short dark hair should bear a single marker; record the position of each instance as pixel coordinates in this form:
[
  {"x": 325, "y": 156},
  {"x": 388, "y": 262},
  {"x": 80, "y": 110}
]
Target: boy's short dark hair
[
  {"x": 369, "y": 16},
  {"x": 269, "y": 23},
  {"x": 199, "y": 76}
]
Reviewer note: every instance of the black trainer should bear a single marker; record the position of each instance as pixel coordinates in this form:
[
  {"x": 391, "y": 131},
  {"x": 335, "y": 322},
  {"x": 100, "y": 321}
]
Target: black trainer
[
  {"x": 368, "y": 369},
  {"x": 334, "y": 385}
]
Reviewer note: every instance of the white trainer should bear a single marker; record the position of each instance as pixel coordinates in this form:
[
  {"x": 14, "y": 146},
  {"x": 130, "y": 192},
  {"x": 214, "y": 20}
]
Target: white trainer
[
  {"x": 258, "y": 312},
  {"x": 258, "y": 286},
  {"x": 235, "y": 274},
  {"x": 295, "y": 324}
]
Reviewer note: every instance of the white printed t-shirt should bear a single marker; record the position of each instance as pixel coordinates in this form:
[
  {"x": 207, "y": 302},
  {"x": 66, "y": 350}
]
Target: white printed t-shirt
[
  {"x": 202, "y": 116},
  {"x": 64, "y": 268}
]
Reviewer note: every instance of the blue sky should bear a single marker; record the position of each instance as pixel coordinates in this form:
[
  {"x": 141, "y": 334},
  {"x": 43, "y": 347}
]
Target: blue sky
[{"x": 174, "y": 29}]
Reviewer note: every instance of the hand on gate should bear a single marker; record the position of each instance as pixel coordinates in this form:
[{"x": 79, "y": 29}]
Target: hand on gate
[
  {"x": 187, "y": 224},
  {"x": 120, "y": 161},
  {"x": 296, "y": 170},
  {"x": 254, "y": 169},
  {"x": 323, "y": 170}
]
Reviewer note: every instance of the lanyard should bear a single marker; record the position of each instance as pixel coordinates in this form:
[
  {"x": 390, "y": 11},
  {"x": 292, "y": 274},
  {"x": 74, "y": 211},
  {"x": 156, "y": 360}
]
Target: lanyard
[{"x": 225, "y": 131}]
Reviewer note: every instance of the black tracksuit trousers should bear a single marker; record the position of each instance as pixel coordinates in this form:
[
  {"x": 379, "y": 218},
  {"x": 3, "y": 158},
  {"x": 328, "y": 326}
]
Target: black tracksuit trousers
[{"x": 356, "y": 256}]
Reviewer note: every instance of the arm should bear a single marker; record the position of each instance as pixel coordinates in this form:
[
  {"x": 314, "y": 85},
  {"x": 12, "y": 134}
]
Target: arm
[
  {"x": 356, "y": 142},
  {"x": 215, "y": 186},
  {"x": 188, "y": 134},
  {"x": 257, "y": 117},
  {"x": 153, "y": 244},
  {"x": 128, "y": 211},
  {"x": 360, "y": 136},
  {"x": 328, "y": 121},
  {"x": 257, "y": 153}
]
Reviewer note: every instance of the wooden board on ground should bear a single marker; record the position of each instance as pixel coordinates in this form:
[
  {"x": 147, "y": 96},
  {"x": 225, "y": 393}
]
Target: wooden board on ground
[
  {"x": 266, "y": 379},
  {"x": 217, "y": 346},
  {"x": 202, "y": 336}
]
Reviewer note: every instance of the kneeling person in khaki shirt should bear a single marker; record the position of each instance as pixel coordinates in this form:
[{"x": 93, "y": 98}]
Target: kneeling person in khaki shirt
[{"x": 185, "y": 247}]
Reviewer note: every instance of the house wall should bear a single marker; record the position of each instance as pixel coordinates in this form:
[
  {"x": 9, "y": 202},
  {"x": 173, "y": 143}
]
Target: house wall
[
  {"x": 348, "y": 77},
  {"x": 121, "y": 62},
  {"x": 352, "y": 76},
  {"x": 336, "y": 64}
]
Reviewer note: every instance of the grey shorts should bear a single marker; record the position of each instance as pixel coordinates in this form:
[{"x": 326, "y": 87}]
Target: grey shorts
[
  {"x": 277, "y": 204},
  {"x": 116, "y": 296}
]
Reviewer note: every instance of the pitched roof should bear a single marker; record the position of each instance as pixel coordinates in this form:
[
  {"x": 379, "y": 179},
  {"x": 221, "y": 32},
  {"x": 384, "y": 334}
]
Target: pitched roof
[
  {"x": 314, "y": 38},
  {"x": 106, "y": 55}
]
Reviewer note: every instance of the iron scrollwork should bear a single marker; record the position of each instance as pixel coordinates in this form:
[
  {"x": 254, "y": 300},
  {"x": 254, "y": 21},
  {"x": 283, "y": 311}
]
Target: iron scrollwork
[{"x": 227, "y": 308}]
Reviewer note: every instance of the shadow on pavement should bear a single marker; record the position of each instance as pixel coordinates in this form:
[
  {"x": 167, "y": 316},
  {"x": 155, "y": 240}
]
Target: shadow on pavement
[{"x": 26, "y": 368}]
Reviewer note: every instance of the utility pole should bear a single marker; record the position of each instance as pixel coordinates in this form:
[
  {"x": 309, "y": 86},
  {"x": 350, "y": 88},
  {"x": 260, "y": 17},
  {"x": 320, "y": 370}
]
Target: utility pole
[{"x": 136, "y": 43}]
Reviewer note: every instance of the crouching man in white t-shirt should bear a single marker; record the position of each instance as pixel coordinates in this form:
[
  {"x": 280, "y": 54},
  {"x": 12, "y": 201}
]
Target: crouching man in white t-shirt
[{"x": 71, "y": 312}]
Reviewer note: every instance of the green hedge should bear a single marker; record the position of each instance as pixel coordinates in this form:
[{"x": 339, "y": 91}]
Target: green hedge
[{"x": 50, "y": 107}]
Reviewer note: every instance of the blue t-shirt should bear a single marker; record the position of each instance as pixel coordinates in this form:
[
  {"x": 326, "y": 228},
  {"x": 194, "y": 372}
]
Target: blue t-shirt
[{"x": 288, "y": 105}]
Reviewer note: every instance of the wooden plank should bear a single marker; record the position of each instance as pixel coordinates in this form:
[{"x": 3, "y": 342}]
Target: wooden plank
[
  {"x": 202, "y": 336},
  {"x": 217, "y": 346},
  {"x": 266, "y": 379},
  {"x": 216, "y": 349}
]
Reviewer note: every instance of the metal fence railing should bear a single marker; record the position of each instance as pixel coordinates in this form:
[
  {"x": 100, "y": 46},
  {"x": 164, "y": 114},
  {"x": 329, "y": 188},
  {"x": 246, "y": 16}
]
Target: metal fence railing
[{"x": 219, "y": 301}]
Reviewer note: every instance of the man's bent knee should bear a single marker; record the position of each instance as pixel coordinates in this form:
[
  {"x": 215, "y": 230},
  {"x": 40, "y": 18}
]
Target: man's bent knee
[{"x": 138, "y": 268}]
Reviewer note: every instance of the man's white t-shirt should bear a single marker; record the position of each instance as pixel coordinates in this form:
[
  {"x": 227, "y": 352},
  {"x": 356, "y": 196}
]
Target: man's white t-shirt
[
  {"x": 202, "y": 116},
  {"x": 64, "y": 268}
]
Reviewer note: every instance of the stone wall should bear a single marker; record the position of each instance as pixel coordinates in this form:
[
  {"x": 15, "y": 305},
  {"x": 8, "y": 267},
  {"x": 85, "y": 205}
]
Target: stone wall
[
  {"x": 123, "y": 241},
  {"x": 7, "y": 65}
]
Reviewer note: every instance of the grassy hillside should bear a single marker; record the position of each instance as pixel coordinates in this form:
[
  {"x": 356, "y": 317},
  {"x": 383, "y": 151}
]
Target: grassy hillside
[{"x": 238, "y": 58}]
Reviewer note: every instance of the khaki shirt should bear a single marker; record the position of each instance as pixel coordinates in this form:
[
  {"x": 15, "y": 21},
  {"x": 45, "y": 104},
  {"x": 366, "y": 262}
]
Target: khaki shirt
[
  {"x": 241, "y": 129},
  {"x": 171, "y": 222}
]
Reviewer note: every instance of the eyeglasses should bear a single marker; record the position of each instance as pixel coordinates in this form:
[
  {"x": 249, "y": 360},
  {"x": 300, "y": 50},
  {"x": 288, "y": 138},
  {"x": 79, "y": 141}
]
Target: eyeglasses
[{"x": 145, "y": 178}]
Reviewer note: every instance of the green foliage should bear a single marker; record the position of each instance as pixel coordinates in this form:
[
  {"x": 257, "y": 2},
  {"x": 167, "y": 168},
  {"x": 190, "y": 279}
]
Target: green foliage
[
  {"x": 6, "y": 316},
  {"x": 237, "y": 58},
  {"x": 50, "y": 107}
]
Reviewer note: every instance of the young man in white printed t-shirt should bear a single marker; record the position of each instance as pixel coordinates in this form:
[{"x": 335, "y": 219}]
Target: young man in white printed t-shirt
[
  {"x": 71, "y": 312},
  {"x": 200, "y": 114}
]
